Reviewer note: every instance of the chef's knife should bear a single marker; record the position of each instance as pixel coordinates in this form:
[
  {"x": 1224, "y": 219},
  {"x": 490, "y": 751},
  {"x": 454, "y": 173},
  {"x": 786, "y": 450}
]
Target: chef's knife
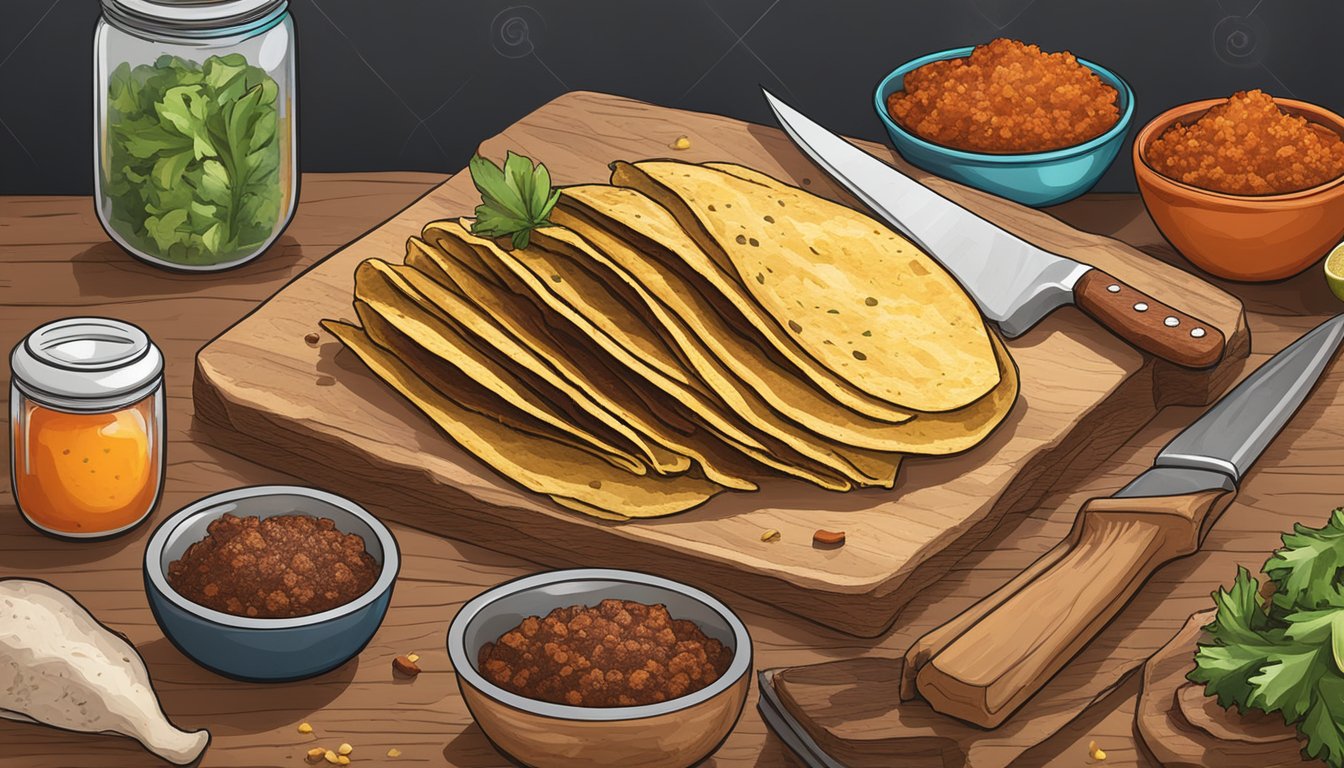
[
  {"x": 1014, "y": 282},
  {"x": 987, "y": 662}
]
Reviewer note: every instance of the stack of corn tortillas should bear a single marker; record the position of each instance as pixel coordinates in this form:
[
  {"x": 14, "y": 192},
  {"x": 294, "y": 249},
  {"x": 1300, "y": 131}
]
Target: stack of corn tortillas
[{"x": 686, "y": 330}]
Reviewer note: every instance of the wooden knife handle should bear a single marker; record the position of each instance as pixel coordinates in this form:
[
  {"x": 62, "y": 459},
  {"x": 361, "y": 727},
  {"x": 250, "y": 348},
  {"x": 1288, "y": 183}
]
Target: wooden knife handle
[
  {"x": 1034, "y": 626},
  {"x": 1146, "y": 322}
]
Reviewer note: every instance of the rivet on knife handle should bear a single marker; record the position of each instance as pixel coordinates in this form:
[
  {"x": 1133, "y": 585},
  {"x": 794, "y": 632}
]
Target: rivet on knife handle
[
  {"x": 1036, "y": 626},
  {"x": 1147, "y": 323}
]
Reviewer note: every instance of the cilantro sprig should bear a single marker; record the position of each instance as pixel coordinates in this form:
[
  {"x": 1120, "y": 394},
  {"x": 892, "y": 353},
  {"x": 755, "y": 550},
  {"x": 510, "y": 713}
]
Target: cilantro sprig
[
  {"x": 515, "y": 199},
  {"x": 1285, "y": 653}
]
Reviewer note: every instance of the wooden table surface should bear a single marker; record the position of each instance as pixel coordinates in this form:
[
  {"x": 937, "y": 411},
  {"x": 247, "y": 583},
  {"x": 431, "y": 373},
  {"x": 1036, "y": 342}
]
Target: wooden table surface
[{"x": 55, "y": 261}]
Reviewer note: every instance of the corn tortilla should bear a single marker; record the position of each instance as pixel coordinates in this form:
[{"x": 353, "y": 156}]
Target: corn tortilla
[
  {"x": 745, "y": 354},
  {"x": 938, "y": 433},
  {"x": 429, "y": 345},
  {"x": 466, "y": 393},
  {"x": 863, "y": 466},
  {"x": 514, "y": 355},
  {"x": 612, "y": 308},
  {"x": 694, "y": 329},
  {"x": 595, "y": 385},
  {"x": 540, "y": 465},
  {"x": 497, "y": 293},
  {"x": 637, "y": 219},
  {"x": 860, "y": 299},
  {"x": 602, "y": 329}
]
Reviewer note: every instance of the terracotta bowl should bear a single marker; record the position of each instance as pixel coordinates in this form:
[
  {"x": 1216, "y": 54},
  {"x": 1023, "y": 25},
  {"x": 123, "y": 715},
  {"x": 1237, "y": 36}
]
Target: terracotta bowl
[
  {"x": 676, "y": 733},
  {"x": 1252, "y": 238}
]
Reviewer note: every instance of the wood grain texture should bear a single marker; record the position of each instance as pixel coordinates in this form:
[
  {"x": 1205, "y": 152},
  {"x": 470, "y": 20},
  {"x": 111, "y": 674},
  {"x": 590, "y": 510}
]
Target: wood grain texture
[
  {"x": 1000, "y": 656},
  {"x": 1082, "y": 391},
  {"x": 1297, "y": 479},
  {"x": 1185, "y": 729},
  {"x": 55, "y": 261}
]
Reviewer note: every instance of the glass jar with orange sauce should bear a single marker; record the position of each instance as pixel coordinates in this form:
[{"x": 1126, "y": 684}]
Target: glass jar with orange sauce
[{"x": 86, "y": 427}]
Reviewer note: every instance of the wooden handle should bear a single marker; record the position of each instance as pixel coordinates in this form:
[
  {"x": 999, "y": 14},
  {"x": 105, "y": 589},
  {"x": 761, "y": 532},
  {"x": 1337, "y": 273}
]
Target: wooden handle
[
  {"x": 1147, "y": 323},
  {"x": 928, "y": 646},
  {"x": 983, "y": 668}
]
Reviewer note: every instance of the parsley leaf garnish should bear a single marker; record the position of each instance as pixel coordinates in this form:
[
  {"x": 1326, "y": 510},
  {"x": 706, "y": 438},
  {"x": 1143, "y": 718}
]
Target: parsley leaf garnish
[
  {"x": 515, "y": 199},
  {"x": 1286, "y": 653}
]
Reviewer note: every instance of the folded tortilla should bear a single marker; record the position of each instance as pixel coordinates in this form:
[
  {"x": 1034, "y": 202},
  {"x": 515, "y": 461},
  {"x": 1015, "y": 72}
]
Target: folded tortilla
[
  {"x": 693, "y": 329},
  {"x": 515, "y": 355},
  {"x": 539, "y": 465},
  {"x": 441, "y": 354},
  {"x": 615, "y": 328},
  {"x": 571, "y": 365},
  {"x": 579, "y": 263},
  {"x": 638, "y": 220},
  {"x": 746, "y": 354},
  {"x": 858, "y": 298},
  {"x": 606, "y": 216}
]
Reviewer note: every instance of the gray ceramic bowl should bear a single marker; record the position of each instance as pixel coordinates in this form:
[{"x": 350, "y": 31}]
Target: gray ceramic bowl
[
  {"x": 268, "y": 649},
  {"x": 672, "y": 734}
]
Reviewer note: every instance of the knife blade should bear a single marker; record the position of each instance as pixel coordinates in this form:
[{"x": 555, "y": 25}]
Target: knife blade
[
  {"x": 1014, "y": 283},
  {"x": 984, "y": 664},
  {"x": 1230, "y": 436}
]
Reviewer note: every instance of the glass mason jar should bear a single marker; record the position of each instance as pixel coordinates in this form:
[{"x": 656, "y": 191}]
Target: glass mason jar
[
  {"x": 86, "y": 427},
  {"x": 195, "y": 164}
]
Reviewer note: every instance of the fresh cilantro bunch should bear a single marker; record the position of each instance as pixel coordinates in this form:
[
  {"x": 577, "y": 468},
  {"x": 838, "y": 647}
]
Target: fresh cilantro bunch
[
  {"x": 192, "y": 171},
  {"x": 1285, "y": 653},
  {"x": 515, "y": 199}
]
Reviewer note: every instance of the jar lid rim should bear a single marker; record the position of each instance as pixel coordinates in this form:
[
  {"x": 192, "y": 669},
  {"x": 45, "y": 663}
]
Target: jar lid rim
[
  {"x": 198, "y": 16},
  {"x": 86, "y": 362}
]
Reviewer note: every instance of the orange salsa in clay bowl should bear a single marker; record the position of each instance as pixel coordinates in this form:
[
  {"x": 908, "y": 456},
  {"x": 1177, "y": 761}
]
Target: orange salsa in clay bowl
[{"x": 1247, "y": 188}]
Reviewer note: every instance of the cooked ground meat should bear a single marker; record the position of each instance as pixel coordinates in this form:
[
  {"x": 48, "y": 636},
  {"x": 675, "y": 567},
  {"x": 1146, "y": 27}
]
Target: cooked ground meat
[
  {"x": 280, "y": 567},
  {"x": 617, "y": 654},
  {"x": 1006, "y": 97},
  {"x": 1248, "y": 146}
]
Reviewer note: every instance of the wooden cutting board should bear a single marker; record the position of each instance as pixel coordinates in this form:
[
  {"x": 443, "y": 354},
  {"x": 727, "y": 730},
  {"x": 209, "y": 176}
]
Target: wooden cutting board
[{"x": 315, "y": 411}]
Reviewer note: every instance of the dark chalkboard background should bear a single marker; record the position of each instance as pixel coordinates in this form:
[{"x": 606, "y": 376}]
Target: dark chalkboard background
[{"x": 417, "y": 84}]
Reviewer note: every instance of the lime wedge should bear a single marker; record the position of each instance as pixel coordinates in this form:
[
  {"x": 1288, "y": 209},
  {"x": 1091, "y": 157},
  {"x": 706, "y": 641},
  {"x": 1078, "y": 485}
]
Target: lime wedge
[{"x": 1334, "y": 271}]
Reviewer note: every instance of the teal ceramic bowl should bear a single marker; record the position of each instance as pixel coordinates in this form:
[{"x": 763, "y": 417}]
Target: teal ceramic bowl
[{"x": 1035, "y": 179}]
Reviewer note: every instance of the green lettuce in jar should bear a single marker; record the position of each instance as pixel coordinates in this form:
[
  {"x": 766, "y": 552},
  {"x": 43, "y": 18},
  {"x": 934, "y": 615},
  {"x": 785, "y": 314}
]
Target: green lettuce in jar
[{"x": 193, "y": 158}]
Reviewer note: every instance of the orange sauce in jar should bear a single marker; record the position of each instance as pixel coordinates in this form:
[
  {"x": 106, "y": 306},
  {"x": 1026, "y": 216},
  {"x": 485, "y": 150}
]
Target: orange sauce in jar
[
  {"x": 87, "y": 473},
  {"x": 86, "y": 427}
]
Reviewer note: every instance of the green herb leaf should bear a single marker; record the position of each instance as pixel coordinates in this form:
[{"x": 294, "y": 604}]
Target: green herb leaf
[
  {"x": 168, "y": 168},
  {"x": 1240, "y": 648},
  {"x": 166, "y": 229},
  {"x": 1305, "y": 568},
  {"x": 1287, "y": 683},
  {"x": 193, "y": 161},
  {"x": 515, "y": 199},
  {"x": 1285, "y": 654},
  {"x": 1325, "y": 739}
]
